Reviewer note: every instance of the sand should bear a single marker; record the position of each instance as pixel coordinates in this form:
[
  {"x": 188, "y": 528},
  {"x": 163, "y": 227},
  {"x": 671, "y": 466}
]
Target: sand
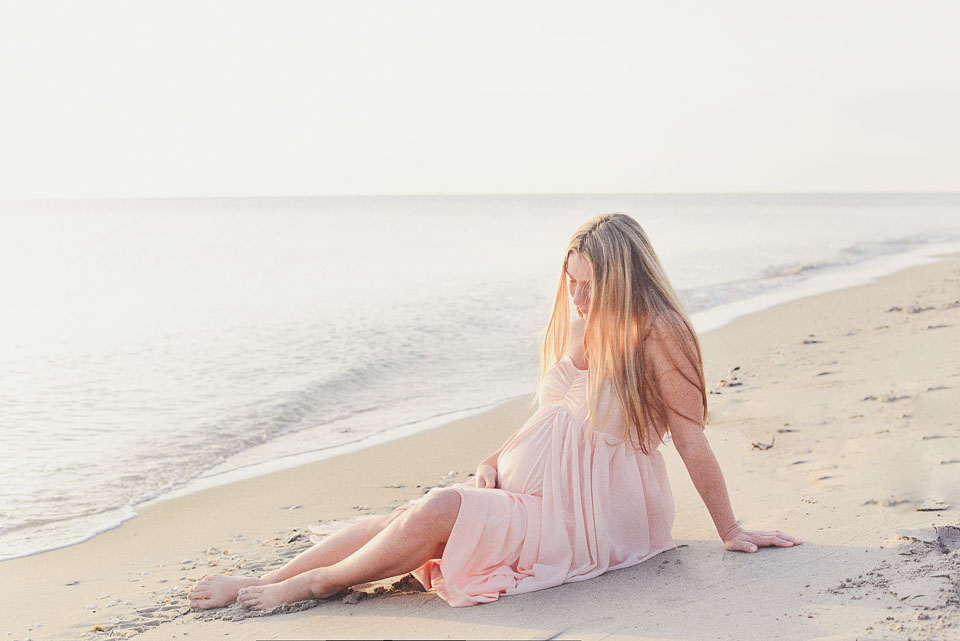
[{"x": 834, "y": 418}]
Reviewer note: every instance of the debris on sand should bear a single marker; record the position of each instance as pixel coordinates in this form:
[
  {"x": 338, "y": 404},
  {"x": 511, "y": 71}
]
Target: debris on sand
[
  {"x": 894, "y": 502},
  {"x": 764, "y": 446},
  {"x": 404, "y": 585},
  {"x": 733, "y": 380},
  {"x": 921, "y": 591},
  {"x": 922, "y": 535},
  {"x": 933, "y": 505},
  {"x": 892, "y": 398},
  {"x": 356, "y": 597}
]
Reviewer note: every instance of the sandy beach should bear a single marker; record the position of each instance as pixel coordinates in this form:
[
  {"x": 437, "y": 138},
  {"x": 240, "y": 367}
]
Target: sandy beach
[{"x": 834, "y": 418}]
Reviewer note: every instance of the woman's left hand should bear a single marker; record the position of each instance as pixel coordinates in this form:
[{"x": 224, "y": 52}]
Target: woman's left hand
[{"x": 740, "y": 540}]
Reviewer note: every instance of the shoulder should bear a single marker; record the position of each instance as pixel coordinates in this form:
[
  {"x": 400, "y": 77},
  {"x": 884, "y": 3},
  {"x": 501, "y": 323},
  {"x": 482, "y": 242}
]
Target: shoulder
[
  {"x": 674, "y": 361},
  {"x": 670, "y": 345}
]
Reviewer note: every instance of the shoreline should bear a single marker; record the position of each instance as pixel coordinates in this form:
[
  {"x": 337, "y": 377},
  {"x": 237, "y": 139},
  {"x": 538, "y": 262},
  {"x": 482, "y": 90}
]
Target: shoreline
[
  {"x": 824, "y": 281},
  {"x": 789, "y": 387},
  {"x": 255, "y": 470},
  {"x": 820, "y": 282},
  {"x": 832, "y": 279}
]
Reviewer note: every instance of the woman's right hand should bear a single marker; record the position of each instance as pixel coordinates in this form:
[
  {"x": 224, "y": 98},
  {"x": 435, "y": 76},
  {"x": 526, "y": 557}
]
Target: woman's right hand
[
  {"x": 486, "y": 475},
  {"x": 740, "y": 540}
]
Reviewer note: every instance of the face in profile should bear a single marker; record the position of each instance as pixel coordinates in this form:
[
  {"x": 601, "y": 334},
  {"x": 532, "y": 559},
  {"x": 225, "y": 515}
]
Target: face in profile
[{"x": 579, "y": 279}]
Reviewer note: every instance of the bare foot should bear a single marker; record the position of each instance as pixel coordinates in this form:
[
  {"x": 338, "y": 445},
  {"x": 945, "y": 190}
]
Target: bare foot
[
  {"x": 218, "y": 590},
  {"x": 301, "y": 587}
]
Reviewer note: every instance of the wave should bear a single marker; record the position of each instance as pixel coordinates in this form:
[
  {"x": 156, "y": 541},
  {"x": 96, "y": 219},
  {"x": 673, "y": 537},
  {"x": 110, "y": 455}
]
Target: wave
[
  {"x": 699, "y": 299},
  {"x": 43, "y": 535}
]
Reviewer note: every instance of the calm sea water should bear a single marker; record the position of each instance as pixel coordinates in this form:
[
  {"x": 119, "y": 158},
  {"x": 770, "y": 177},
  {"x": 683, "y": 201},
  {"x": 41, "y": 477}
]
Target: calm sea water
[{"x": 144, "y": 344}]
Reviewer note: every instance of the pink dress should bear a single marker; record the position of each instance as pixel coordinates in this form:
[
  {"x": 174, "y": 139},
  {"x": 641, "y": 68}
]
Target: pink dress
[{"x": 567, "y": 507}]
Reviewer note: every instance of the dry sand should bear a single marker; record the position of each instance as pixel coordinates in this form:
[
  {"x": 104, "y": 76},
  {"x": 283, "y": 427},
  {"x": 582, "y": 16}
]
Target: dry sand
[{"x": 858, "y": 391}]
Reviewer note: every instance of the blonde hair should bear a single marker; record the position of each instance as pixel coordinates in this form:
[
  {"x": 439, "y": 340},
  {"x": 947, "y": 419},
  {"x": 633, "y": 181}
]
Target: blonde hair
[{"x": 631, "y": 297}]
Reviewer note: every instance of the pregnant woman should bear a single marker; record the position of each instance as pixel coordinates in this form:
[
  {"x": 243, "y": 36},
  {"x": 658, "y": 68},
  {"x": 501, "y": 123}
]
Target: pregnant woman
[{"x": 580, "y": 488}]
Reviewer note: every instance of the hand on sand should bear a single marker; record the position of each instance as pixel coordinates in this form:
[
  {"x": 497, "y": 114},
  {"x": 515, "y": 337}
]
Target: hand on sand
[
  {"x": 486, "y": 475},
  {"x": 740, "y": 540}
]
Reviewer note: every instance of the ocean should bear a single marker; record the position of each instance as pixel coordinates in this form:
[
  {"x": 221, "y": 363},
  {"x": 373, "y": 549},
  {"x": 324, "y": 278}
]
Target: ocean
[{"x": 150, "y": 346}]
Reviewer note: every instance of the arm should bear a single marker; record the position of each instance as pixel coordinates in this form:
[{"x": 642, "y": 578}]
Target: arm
[
  {"x": 705, "y": 473},
  {"x": 685, "y": 407}
]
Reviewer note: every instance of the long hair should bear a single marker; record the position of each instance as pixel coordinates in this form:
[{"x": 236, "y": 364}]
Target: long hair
[{"x": 631, "y": 298}]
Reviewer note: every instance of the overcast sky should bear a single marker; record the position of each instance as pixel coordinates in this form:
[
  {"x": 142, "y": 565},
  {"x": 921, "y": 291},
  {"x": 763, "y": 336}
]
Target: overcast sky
[{"x": 240, "y": 98}]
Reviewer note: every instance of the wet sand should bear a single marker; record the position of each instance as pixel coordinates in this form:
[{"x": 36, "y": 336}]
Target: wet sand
[{"x": 834, "y": 418}]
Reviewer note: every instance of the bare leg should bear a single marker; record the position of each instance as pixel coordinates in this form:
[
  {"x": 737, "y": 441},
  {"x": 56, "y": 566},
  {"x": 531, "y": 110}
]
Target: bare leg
[
  {"x": 332, "y": 549},
  {"x": 217, "y": 591},
  {"x": 412, "y": 539}
]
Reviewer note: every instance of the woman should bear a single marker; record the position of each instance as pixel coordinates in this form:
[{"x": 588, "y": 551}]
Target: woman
[{"x": 580, "y": 488}]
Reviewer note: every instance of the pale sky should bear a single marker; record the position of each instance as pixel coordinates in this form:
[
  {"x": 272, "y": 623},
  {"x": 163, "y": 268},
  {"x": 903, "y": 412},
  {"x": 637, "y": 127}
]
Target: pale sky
[{"x": 241, "y": 98}]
